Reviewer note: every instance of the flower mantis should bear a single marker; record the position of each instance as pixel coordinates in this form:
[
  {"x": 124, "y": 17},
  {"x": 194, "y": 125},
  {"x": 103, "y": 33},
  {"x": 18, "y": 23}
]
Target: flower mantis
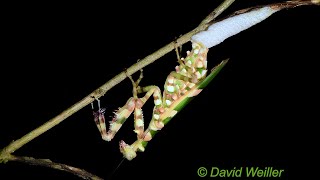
[{"x": 181, "y": 85}]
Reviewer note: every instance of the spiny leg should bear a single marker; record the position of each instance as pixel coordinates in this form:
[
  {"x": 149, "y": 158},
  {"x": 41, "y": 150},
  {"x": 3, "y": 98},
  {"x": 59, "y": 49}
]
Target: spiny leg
[
  {"x": 138, "y": 116},
  {"x": 96, "y": 117},
  {"x": 178, "y": 52},
  {"x": 158, "y": 108},
  {"x": 122, "y": 114},
  {"x": 99, "y": 119},
  {"x": 129, "y": 151}
]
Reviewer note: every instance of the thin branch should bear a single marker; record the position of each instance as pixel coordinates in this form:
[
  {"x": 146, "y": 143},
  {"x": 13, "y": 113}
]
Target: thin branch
[
  {"x": 48, "y": 163},
  {"x": 278, "y": 6},
  {"x": 110, "y": 84},
  {"x": 216, "y": 12}
]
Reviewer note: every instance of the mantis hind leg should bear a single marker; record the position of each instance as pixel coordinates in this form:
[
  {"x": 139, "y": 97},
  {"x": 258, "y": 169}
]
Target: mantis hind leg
[
  {"x": 129, "y": 151},
  {"x": 178, "y": 50},
  {"x": 122, "y": 114}
]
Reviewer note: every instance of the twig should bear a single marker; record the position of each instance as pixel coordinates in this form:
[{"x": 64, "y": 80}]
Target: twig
[
  {"x": 278, "y": 6},
  {"x": 48, "y": 163}
]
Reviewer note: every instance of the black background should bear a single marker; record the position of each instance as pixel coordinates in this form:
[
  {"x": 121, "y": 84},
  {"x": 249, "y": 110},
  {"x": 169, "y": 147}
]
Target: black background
[{"x": 252, "y": 113}]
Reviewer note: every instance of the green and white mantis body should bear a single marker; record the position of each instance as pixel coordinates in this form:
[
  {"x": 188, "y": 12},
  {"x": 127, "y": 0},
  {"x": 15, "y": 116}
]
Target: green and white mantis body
[{"x": 181, "y": 85}]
